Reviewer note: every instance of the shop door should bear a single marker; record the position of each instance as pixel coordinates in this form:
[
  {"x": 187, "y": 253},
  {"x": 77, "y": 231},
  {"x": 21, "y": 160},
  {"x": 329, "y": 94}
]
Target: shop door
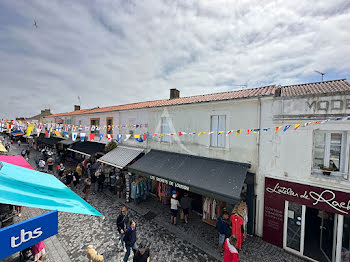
[
  {"x": 294, "y": 227},
  {"x": 326, "y": 235}
]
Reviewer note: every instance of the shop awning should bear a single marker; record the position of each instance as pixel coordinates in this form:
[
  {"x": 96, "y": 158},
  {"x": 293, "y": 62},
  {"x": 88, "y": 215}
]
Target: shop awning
[
  {"x": 120, "y": 156},
  {"x": 22, "y": 186},
  {"x": 67, "y": 142},
  {"x": 51, "y": 141},
  {"x": 2, "y": 148},
  {"x": 207, "y": 176},
  {"x": 87, "y": 148}
]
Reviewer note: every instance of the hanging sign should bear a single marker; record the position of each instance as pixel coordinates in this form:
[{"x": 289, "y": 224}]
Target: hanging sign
[{"x": 27, "y": 233}]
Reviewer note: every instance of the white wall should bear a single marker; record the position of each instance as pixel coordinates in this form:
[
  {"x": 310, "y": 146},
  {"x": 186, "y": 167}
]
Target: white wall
[{"x": 289, "y": 155}]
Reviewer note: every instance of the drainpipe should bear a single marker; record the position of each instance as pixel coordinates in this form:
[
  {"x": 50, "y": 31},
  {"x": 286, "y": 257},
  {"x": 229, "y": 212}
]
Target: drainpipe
[{"x": 257, "y": 207}]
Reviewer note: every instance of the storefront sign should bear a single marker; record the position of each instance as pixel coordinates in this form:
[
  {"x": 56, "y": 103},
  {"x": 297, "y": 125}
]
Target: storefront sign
[
  {"x": 170, "y": 183},
  {"x": 279, "y": 191},
  {"x": 27, "y": 233},
  {"x": 324, "y": 199}
]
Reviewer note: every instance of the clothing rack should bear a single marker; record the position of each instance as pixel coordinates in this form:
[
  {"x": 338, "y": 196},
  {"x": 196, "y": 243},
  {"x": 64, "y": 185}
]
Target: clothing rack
[{"x": 212, "y": 209}]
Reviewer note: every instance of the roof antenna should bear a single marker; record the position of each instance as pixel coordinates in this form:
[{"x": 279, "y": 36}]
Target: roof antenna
[
  {"x": 79, "y": 100},
  {"x": 322, "y": 74}
]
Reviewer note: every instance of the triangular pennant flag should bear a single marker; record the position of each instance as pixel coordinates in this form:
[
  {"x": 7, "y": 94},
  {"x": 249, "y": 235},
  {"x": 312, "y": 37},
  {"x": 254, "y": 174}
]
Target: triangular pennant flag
[
  {"x": 316, "y": 122},
  {"x": 47, "y": 134},
  {"x": 74, "y": 136},
  {"x": 157, "y": 134},
  {"x": 92, "y": 136},
  {"x": 266, "y": 129},
  {"x": 296, "y": 126},
  {"x": 136, "y": 136},
  {"x": 82, "y": 136},
  {"x": 180, "y": 134},
  {"x": 277, "y": 128},
  {"x": 201, "y": 133},
  {"x": 345, "y": 118},
  {"x": 100, "y": 137},
  {"x": 93, "y": 128},
  {"x": 229, "y": 132},
  {"x": 109, "y": 136},
  {"x": 249, "y": 131},
  {"x": 119, "y": 137},
  {"x": 238, "y": 132},
  {"x": 127, "y": 137},
  {"x": 66, "y": 133},
  {"x": 286, "y": 128},
  {"x": 58, "y": 134},
  {"x": 256, "y": 130},
  {"x": 144, "y": 136}
]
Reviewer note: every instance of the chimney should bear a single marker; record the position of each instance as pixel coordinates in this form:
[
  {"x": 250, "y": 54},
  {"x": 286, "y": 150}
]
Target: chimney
[
  {"x": 278, "y": 92},
  {"x": 76, "y": 107},
  {"x": 174, "y": 93}
]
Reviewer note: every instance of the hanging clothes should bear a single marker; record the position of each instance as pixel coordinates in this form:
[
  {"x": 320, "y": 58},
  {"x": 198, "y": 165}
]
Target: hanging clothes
[
  {"x": 237, "y": 228},
  {"x": 133, "y": 190}
]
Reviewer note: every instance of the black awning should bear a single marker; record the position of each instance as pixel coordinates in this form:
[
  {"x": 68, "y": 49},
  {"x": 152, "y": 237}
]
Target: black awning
[
  {"x": 87, "y": 148},
  {"x": 68, "y": 141},
  {"x": 51, "y": 141},
  {"x": 207, "y": 176}
]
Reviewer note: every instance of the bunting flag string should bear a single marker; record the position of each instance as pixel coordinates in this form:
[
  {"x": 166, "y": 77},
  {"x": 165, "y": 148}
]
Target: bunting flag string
[{"x": 66, "y": 129}]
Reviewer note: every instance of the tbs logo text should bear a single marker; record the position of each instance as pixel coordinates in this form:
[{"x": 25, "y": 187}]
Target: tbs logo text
[{"x": 25, "y": 236}]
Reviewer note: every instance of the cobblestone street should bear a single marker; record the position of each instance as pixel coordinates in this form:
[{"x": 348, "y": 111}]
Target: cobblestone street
[{"x": 193, "y": 242}]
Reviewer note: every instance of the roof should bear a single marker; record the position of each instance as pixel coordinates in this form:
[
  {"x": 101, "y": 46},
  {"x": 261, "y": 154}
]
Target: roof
[
  {"x": 16, "y": 160},
  {"x": 120, "y": 156},
  {"x": 52, "y": 140},
  {"x": 326, "y": 87},
  {"x": 244, "y": 93},
  {"x": 332, "y": 86},
  {"x": 207, "y": 176},
  {"x": 87, "y": 148},
  {"x": 68, "y": 141}
]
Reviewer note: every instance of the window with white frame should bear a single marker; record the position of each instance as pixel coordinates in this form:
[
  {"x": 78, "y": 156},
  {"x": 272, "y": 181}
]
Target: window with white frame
[
  {"x": 165, "y": 129},
  {"x": 218, "y": 127},
  {"x": 329, "y": 150}
]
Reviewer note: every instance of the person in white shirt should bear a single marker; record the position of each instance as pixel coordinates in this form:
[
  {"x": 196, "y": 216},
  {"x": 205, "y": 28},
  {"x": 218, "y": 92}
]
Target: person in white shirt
[
  {"x": 42, "y": 164},
  {"x": 174, "y": 204}
]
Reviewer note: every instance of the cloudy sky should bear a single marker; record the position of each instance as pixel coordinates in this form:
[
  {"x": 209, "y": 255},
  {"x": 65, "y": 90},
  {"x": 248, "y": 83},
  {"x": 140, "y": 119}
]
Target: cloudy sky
[{"x": 112, "y": 52}]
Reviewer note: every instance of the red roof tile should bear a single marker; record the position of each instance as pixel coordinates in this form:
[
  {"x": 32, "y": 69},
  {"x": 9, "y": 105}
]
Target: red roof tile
[
  {"x": 326, "y": 87},
  {"x": 244, "y": 93}
]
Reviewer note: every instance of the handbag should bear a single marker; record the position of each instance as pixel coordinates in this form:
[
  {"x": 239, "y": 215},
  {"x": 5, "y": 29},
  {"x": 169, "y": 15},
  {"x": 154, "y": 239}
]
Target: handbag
[
  {"x": 84, "y": 189},
  {"x": 182, "y": 216}
]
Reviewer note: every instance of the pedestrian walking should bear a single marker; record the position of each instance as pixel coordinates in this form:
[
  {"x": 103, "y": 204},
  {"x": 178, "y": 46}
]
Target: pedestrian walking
[
  {"x": 130, "y": 240},
  {"x": 61, "y": 170},
  {"x": 69, "y": 178},
  {"x": 186, "y": 205},
  {"x": 50, "y": 164},
  {"x": 142, "y": 253},
  {"x": 122, "y": 225},
  {"x": 38, "y": 251},
  {"x": 28, "y": 152},
  {"x": 42, "y": 164},
  {"x": 23, "y": 153},
  {"x": 119, "y": 184},
  {"x": 79, "y": 170},
  {"x": 93, "y": 183},
  {"x": 231, "y": 253},
  {"x": 19, "y": 142},
  {"x": 100, "y": 181},
  {"x": 174, "y": 204},
  {"x": 223, "y": 229},
  {"x": 75, "y": 178},
  {"x": 86, "y": 189}
]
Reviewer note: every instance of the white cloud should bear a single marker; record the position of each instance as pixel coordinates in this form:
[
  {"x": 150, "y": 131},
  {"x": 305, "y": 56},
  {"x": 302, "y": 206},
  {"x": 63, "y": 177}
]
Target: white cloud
[{"x": 113, "y": 52}]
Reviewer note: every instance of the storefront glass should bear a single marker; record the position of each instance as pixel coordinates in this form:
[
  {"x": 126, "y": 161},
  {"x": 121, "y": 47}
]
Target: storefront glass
[{"x": 294, "y": 225}]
